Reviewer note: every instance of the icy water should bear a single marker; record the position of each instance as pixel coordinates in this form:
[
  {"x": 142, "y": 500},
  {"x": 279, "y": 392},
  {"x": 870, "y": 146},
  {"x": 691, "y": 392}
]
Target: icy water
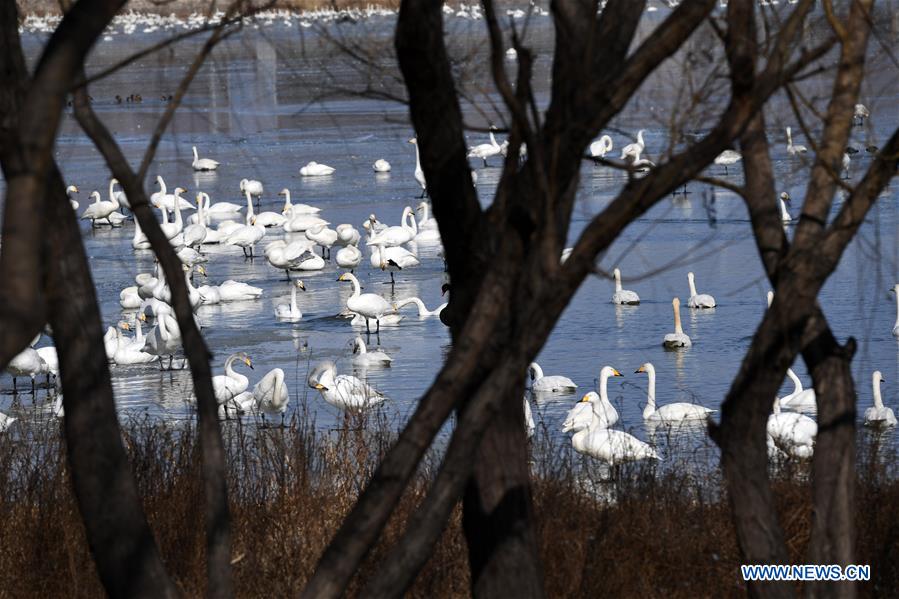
[{"x": 261, "y": 108}]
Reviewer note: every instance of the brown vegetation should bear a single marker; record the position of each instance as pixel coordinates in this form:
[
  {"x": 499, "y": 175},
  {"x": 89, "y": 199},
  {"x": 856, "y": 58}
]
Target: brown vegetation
[{"x": 651, "y": 534}]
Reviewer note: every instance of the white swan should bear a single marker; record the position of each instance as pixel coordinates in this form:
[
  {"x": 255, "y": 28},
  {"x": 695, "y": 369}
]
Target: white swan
[
  {"x": 296, "y": 209},
  {"x": 593, "y": 406},
  {"x": 69, "y": 191},
  {"x": 166, "y": 200},
  {"x": 397, "y": 234},
  {"x": 264, "y": 219},
  {"x": 698, "y": 300},
  {"x": 171, "y": 229},
  {"x": 299, "y": 221},
  {"x": 343, "y": 391},
  {"x": 800, "y": 400},
  {"x": 784, "y": 213},
  {"x": 314, "y": 169},
  {"x": 195, "y": 234},
  {"x": 548, "y": 384},
  {"x": 291, "y": 312},
  {"x": 232, "y": 383},
  {"x": 246, "y": 236},
  {"x": 485, "y": 151},
  {"x": 348, "y": 257},
  {"x": 110, "y": 343},
  {"x": 632, "y": 151},
  {"x": 791, "y": 433},
  {"x": 728, "y": 158},
  {"x": 678, "y": 338},
  {"x": 794, "y": 149},
  {"x": 423, "y": 311},
  {"x": 229, "y": 291},
  {"x": 27, "y": 363},
  {"x": 219, "y": 209},
  {"x": 601, "y": 147},
  {"x": 164, "y": 339},
  {"x": 392, "y": 259},
  {"x": 287, "y": 256},
  {"x": 381, "y": 166},
  {"x": 251, "y": 186},
  {"x": 6, "y": 422},
  {"x": 127, "y": 353},
  {"x": 99, "y": 209},
  {"x": 367, "y": 305},
  {"x": 203, "y": 164},
  {"x": 426, "y": 222},
  {"x": 363, "y": 357},
  {"x": 271, "y": 394},
  {"x": 860, "y": 112},
  {"x": 119, "y": 196},
  {"x": 323, "y": 236},
  {"x": 529, "y": 425},
  {"x": 240, "y": 404},
  {"x": 623, "y": 296},
  {"x": 419, "y": 173},
  {"x": 879, "y": 415},
  {"x": 347, "y": 234},
  {"x": 895, "y": 290},
  {"x": 669, "y": 413},
  {"x": 129, "y": 298}
]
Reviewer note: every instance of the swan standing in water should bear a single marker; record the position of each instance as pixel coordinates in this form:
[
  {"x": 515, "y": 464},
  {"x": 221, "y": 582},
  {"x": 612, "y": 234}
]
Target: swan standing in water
[
  {"x": 485, "y": 151},
  {"x": 363, "y": 357},
  {"x": 678, "y": 338},
  {"x": 698, "y": 300},
  {"x": 296, "y": 209},
  {"x": 195, "y": 234},
  {"x": 593, "y": 406},
  {"x": 623, "y": 296},
  {"x": 271, "y": 394},
  {"x": 323, "y": 237},
  {"x": 164, "y": 339},
  {"x": 791, "y": 433},
  {"x": 232, "y": 383},
  {"x": 252, "y": 186},
  {"x": 800, "y": 400},
  {"x": 127, "y": 351},
  {"x": 397, "y": 234},
  {"x": 246, "y": 236},
  {"x": 601, "y": 147},
  {"x": 167, "y": 200},
  {"x": 669, "y": 413},
  {"x": 784, "y": 213},
  {"x": 291, "y": 312},
  {"x": 343, "y": 391},
  {"x": 419, "y": 173},
  {"x": 860, "y": 113},
  {"x": 314, "y": 169},
  {"x": 423, "y": 311},
  {"x": 392, "y": 259},
  {"x": 348, "y": 257},
  {"x": 548, "y": 384},
  {"x": 99, "y": 209},
  {"x": 381, "y": 166},
  {"x": 879, "y": 415},
  {"x": 792, "y": 149},
  {"x": 219, "y": 209},
  {"x": 368, "y": 305},
  {"x": 27, "y": 363},
  {"x": 203, "y": 164},
  {"x": 728, "y": 158},
  {"x": 632, "y": 151}
]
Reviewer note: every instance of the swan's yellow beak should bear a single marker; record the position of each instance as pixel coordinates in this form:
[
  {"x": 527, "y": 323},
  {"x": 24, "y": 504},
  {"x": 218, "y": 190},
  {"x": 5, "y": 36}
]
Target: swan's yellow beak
[
  {"x": 616, "y": 373},
  {"x": 341, "y": 278},
  {"x": 641, "y": 369},
  {"x": 75, "y": 189},
  {"x": 585, "y": 399},
  {"x": 301, "y": 285},
  {"x": 248, "y": 362},
  {"x": 126, "y": 326},
  {"x": 143, "y": 317},
  {"x": 201, "y": 270},
  {"x": 320, "y": 387}
]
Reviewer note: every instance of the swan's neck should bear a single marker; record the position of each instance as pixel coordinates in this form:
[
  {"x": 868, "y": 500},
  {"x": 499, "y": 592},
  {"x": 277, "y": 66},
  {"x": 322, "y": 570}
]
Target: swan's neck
[
  {"x": 120, "y": 339},
  {"x": 617, "y": 282},
  {"x": 789, "y": 137},
  {"x": 112, "y": 192},
  {"x": 417, "y": 159},
  {"x": 493, "y": 140},
  {"x": 357, "y": 291},
  {"x": 677, "y": 327},
  {"x": 138, "y": 234},
  {"x": 878, "y": 400},
  {"x": 165, "y": 214},
  {"x": 538, "y": 372},
  {"x": 229, "y": 367},
  {"x": 138, "y": 331},
  {"x": 692, "y": 287},
  {"x": 640, "y": 139},
  {"x": 777, "y": 405},
  {"x": 196, "y": 155},
  {"x": 250, "y": 212},
  {"x": 327, "y": 378},
  {"x": 650, "y": 394},
  {"x": 797, "y": 383},
  {"x": 603, "y": 388},
  {"x": 896, "y": 289},
  {"x": 279, "y": 383},
  {"x": 422, "y": 309},
  {"x": 162, "y": 188},
  {"x": 201, "y": 212},
  {"x": 287, "y": 204},
  {"x": 409, "y": 217},
  {"x": 360, "y": 346},
  {"x": 425, "y": 212},
  {"x": 177, "y": 202},
  {"x": 783, "y": 209}
]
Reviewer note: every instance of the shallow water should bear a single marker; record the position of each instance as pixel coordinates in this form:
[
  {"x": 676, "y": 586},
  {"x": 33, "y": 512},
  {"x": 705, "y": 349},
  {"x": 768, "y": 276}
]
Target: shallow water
[{"x": 256, "y": 108}]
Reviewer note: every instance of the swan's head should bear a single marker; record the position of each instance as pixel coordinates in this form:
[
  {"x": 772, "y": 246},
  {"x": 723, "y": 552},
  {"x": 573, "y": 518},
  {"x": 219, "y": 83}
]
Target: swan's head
[
  {"x": 113, "y": 181},
  {"x": 343, "y": 277},
  {"x": 690, "y": 276},
  {"x": 71, "y": 189},
  {"x": 142, "y": 316},
  {"x": 422, "y": 206},
  {"x": 180, "y": 190},
  {"x": 592, "y": 396},
  {"x": 318, "y": 373},
  {"x": 243, "y": 357},
  {"x": 617, "y": 274},
  {"x": 253, "y": 220},
  {"x": 199, "y": 198},
  {"x": 445, "y": 288},
  {"x": 877, "y": 378},
  {"x": 608, "y": 371},
  {"x": 676, "y": 303},
  {"x": 95, "y": 195},
  {"x": 124, "y": 326},
  {"x": 413, "y": 141},
  {"x": 243, "y": 183},
  {"x": 784, "y": 196},
  {"x": 159, "y": 180},
  {"x": 770, "y": 296},
  {"x": 300, "y": 285},
  {"x": 647, "y": 368}
]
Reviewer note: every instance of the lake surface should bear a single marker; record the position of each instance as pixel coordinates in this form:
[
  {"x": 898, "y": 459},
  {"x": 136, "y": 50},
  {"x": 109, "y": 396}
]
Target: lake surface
[{"x": 269, "y": 101}]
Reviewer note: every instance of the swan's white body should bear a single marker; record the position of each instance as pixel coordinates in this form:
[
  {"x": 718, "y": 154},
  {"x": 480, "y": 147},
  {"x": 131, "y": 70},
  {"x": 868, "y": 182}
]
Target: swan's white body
[
  {"x": 800, "y": 400},
  {"x": 381, "y": 166},
  {"x": 348, "y": 257},
  {"x": 791, "y": 433},
  {"x": 367, "y": 305},
  {"x": 129, "y": 299},
  {"x": 99, "y": 209},
  {"x": 203, "y": 164},
  {"x": 727, "y": 158},
  {"x": 128, "y": 352},
  {"x": 271, "y": 393},
  {"x": 632, "y": 151},
  {"x": 485, "y": 151},
  {"x": 286, "y": 256},
  {"x": 794, "y": 149},
  {"x": 347, "y": 235},
  {"x": 611, "y": 446},
  {"x": 784, "y": 213},
  {"x": 298, "y": 222},
  {"x": 227, "y": 386},
  {"x": 343, "y": 391},
  {"x": 623, "y": 296},
  {"x": 323, "y": 236},
  {"x": 6, "y": 421},
  {"x": 118, "y": 196},
  {"x": 593, "y": 406},
  {"x": 672, "y": 412},
  {"x": 423, "y": 311},
  {"x": 392, "y": 258},
  {"x": 247, "y": 236},
  {"x": 51, "y": 359},
  {"x": 28, "y": 363},
  {"x": 217, "y": 210},
  {"x": 229, "y": 291},
  {"x": 396, "y": 235},
  {"x": 388, "y": 320},
  {"x": 363, "y": 357},
  {"x": 314, "y": 169},
  {"x": 878, "y": 415},
  {"x": 601, "y": 147},
  {"x": 72, "y": 201},
  {"x": 195, "y": 234},
  {"x": 251, "y": 186},
  {"x": 290, "y": 312},
  {"x": 698, "y": 301},
  {"x": 172, "y": 229},
  {"x": 165, "y": 338},
  {"x": 678, "y": 338},
  {"x": 163, "y": 199},
  {"x": 296, "y": 209},
  {"x": 548, "y": 384},
  {"x": 426, "y": 222}
]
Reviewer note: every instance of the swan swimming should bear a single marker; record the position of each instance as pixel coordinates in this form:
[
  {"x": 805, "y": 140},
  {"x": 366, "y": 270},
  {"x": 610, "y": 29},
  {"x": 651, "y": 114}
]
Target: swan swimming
[
  {"x": 296, "y": 209},
  {"x": 226, "y": 386},
  {"x": 878, "y": 415},
  {"x": 601, "y": 147},
  {"x": 623, "y": 296},
  {"x": 800, "y": 400},
  {"x": 343, "y": 391},
  {"x": 794, "y": 149},
  {"x": 593, "y": 406},
  {"x": 314, "y": 169},
  {"x": 791, "y": 433},
  {"x": 698, "y": 300},
  {"x": 423, "y": 311},
  {"x": 678, "y": 338},
  {"x": 669, "y": 413},
  {"x": 363, "y": 357},
  {"x": 203, "y": 164},
  {"x": 368, "y": 305},
  {"x": 548, "y": 384},
  {"x": 381, "y": 166},
  {"x": 291, "y": 312}
]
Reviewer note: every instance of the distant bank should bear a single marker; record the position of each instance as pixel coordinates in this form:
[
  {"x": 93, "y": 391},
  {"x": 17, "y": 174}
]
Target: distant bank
[{"x": 186, "y": 7}]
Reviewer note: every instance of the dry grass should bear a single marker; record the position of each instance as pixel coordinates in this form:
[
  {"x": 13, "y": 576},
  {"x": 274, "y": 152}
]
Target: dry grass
[{"x": 651, "y": 534}]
